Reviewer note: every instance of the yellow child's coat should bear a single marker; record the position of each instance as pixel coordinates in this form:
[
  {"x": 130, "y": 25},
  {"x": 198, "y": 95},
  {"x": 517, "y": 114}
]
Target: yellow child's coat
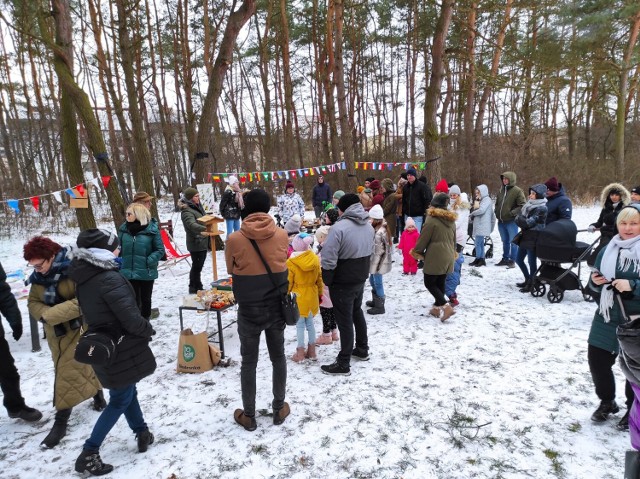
[{"x": 305, "y": 279}]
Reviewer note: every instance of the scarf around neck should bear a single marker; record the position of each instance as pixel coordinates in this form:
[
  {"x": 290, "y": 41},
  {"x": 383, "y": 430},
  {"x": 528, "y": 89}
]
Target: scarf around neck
[
  {"x": 531, "y": 204},
  {"x": 50, "y": 280},
  {"x": 624, "y": 254},
  {"x": 239, "y": 199}
]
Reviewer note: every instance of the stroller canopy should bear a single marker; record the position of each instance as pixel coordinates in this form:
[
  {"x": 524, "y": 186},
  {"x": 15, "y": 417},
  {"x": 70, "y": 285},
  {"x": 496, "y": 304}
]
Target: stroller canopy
[{"x": 557, "y": 242}]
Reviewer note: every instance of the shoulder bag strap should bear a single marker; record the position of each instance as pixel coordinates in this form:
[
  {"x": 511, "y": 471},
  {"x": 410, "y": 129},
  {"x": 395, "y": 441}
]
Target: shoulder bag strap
[{"x": 255, "y": 246}]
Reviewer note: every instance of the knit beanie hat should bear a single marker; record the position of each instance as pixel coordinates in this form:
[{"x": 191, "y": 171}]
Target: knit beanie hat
[
  {"x": 333, "y": 215},
  {"x": 540, "y": 190},
  {"x": 293, "y": 225},
  {"x": 189, "y": 193},
  {"x": 255, "y": 201},
  {"x": 376, "y": 212},
  {"x": 440, "y": 200},
  {"x": 338, "y": 194},
  {"x": 347, "y": 200},
  {"x": 442, "y": 186},
  {"x": 552, "y": 184},
  {"x": 636, "y": 190},
  {"x": 410, "y": 222},
  {"x": 412, "y": 172},
  {"x": 454, "y": 190},
  {"x": 360, "y": 189},
  {"x": 288, "y": 185},
  {"x": 387, "y": 184},
  {"x": 96, "y": 238},
  {"x": 302, "y": 242},
  {"x": 232, "y": 180},
  {"x": 374, "y": 185},
  {"x": 322, "y": 233}
]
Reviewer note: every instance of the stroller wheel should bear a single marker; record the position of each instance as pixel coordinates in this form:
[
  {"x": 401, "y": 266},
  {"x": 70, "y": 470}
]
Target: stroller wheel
[
  {"x": 538, "y": 289},
  {"x": 555, "y": 295},
  {"x": 588, "y": 298}
]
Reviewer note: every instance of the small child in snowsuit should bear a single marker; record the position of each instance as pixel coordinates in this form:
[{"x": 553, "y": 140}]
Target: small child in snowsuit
[
  {"x": 305, "y": 279},
  {"x": 292, "y": 227},
  {"x": 329, "y": 327},
  {"x": 408, "y": 240}
]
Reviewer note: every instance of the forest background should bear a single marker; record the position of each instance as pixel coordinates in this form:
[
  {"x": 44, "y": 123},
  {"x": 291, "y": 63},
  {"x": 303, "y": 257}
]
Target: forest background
[{"x": 160, "y": 93}]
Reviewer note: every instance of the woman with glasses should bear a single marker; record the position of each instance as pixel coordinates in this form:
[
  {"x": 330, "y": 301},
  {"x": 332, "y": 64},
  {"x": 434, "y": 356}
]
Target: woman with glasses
[
  {"x": 141, "y": 250},
  {"x": 52, "y": 300}
]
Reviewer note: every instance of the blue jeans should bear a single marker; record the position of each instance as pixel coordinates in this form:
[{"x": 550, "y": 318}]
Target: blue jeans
[
  {"x": 453, "y": 279},
  {"x": 531, "y": 258},
  {"x": 306, "y": 324},
  {"x": 233, "y": 225},
  {"x": 375, "y": 280},
  {"x": 508, "y": 230},
  {"x": 479, "y": 241},
  {"x": 347, "y": 309},
  {"x": 121, "y": 401},
  {"x": 252, "y": 320},
  {"x": 417, "y": 219}
]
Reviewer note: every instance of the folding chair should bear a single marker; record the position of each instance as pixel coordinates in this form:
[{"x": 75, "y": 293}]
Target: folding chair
[{"x": 174, "y": 255}]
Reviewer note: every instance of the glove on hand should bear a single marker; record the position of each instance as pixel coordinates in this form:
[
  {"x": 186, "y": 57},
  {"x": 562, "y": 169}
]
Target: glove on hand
[
  {"x": 591, "y": 228},
  {"x": 17, "y": 332}
]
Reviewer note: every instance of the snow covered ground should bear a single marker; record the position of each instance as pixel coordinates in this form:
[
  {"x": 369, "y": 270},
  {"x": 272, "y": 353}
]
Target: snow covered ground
[{"x": 501, "y": 390}]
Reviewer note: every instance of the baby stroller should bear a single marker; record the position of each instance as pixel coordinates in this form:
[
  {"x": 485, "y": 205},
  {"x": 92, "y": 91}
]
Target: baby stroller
[
  {"x": 557, "y": 244},
  {"x": 488, "y": 243}
]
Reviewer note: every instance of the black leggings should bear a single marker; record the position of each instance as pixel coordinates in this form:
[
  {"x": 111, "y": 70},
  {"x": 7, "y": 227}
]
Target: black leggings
[
  {"x": 435, "y": 284},
  {"x": 328, "y": 319},
  {"x": 600, "y": 364}
]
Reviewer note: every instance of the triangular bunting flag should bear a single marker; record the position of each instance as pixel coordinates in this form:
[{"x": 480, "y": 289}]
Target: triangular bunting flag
[
  {"x": 105, "y": 181},
  {"x": 80, "y": 189},
  {"x": 57, "y": 196},
  {"x": 14, "y": 205},
  {"x": 70, "y": 192},
  {"x": 96, "y": 183},
  {"x": 35, "y": 201}
]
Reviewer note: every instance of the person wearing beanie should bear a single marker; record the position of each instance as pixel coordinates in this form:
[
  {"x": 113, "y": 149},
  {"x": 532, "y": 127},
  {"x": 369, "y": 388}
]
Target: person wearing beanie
[
  {"x": 259, "y": 303},
  {"x": 559, "y": 205},
  {"x": 408, "y": 240},
  {"x": 321, "y": 196},
  {"x": 442, "y": 186},
  {"x": 416, "y": 197},
  {"x": 231, "y": 205},
  {"x": 613, "y": 197},
  {"x": 377, "y": 193},
  {"x": 381, "y": 260},
  {"x": 389, "y": 206},
  {"x": 331, "y": 216},
  {"x": 346, "y": 257},
  {"x": 368, "y": 181},
  {"x": 305, "y": 279},
  {"x": 329, "y": 327},
  {"x": 531, "y": 220},
  {"x": 108, "y": 304},
  {"x": 197, "y": 241},
  {"x": 508, "y": 203},
  {"x": 635, "y": 195},
  {"x": 337, "y": 195},
  {"x": 484, "y": 221},
  {"x": 459, "y": 204},
  {"x": 436, "y": 244},
  {"x": 13, "y": 401},
  {"x": 141, "y": 251},
  {"x": 290, "y": 203},
  {"x": 292, "y": 228},
  {"x": 53, "y": 301}
]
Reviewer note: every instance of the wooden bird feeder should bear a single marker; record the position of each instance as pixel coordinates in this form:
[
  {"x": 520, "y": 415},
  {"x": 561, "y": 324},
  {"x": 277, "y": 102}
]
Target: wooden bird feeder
[
  {"x": 80, "y": 201},
  {"x": 211, "y": 223}
]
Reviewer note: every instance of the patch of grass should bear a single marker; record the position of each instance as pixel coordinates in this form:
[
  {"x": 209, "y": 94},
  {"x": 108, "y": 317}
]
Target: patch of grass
[
  {"x": 325, "y": 441},
  {"x": 570, "y": 380},
  {"x": 259, "y": 449},
  {"x": 524, "y": 431},
  {"x": 575, "y": 427},
  {"x": 556, "y": 465}
]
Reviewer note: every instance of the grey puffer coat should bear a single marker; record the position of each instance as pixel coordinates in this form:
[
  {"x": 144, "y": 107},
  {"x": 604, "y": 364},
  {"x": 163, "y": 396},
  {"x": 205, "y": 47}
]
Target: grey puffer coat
[{"x": 484, "y": 218}]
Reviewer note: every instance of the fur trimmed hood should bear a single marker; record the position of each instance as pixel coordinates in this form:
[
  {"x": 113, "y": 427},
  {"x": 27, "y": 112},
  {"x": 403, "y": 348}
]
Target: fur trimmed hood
[
  {"x": 443, "y": 214},
  {"x": 625, "y": 196},
  {"x": 85, "y": 264}
]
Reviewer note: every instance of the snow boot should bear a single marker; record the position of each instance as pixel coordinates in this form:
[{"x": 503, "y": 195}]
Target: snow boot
[
  {"x": 480, "y": 262},
  {"x": 299, "y": 355},
  {"x": 311, "y": 352},
  {"x": 447, "y": 312},
  {"x": 334, "y": 335},
  {"x": 26, "y": 413},
  {"x": 324, "y": 339},
  {"x": 527, "y": 287},
  {"x": 59, "y": 429},
  {"x": 474, "y": 262},
  {"x": 378, "y": 307},
  {"x": 522, "y": 284},
  {"x": 453, "y": 299},
  {"x": 281, "y": 414},
  {"x": 372, "y": 303},
  {"x": 435, "y": 311},
  {"x": 90, "y": 462},
  {"x": 602, "y": 413},
  {"x": 144, "y": 438}
]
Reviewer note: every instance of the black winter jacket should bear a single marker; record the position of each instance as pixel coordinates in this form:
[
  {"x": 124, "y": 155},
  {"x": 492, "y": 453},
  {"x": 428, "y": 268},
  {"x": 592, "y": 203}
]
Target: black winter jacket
[
  {"x": 416, "y": 198},
  {"x": 8, "y": 304},
  {"x": 108, "y": 303}
]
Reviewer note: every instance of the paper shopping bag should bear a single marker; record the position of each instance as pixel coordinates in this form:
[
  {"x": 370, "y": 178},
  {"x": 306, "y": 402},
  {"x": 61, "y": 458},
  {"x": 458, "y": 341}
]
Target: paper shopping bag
[
  {"x": 193, "y": 352},
  {"x": 216, "y": 354}
]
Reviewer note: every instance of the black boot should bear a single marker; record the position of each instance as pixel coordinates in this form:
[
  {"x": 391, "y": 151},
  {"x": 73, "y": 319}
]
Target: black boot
[
  {"x": 373, "y": 300},
  {"x": 59, "y": 429},
  {"x": 602, "y": 413},
  {"x": 99, "y": 402},
  {"x": 378, "y": 307},
  {"x": 474, "y": 262},
  {"x": 527, "y": 287},
  {"x": 480, "y": 262},
  {"x": 92, "y": 463},
  {"x": 523, "y": 284},
  {"x": 144, "y": 439},
  {"x": 26, "y": 413}
]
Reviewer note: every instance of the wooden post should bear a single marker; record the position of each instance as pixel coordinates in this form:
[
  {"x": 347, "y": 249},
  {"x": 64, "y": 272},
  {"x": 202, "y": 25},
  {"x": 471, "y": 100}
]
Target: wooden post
[{"x": 211, "y": 223}]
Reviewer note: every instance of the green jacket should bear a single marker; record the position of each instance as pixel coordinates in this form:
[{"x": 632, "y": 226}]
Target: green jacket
[
  {"x": 509, "y": 200},
  {"x": 437, "y": 241},
  {"x": 603, "y": 335},
  {"x": 190, "y": 212},
  {"x": 140, "y": 253}
]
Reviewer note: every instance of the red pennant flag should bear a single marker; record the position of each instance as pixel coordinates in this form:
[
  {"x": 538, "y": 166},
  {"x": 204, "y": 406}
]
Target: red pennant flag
[
  {"x": 105, "y": 181},
  {"x": 35, "y": 201},
  {"x": 216, "y": 178},
  {"x": 80, "y": 189}
]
